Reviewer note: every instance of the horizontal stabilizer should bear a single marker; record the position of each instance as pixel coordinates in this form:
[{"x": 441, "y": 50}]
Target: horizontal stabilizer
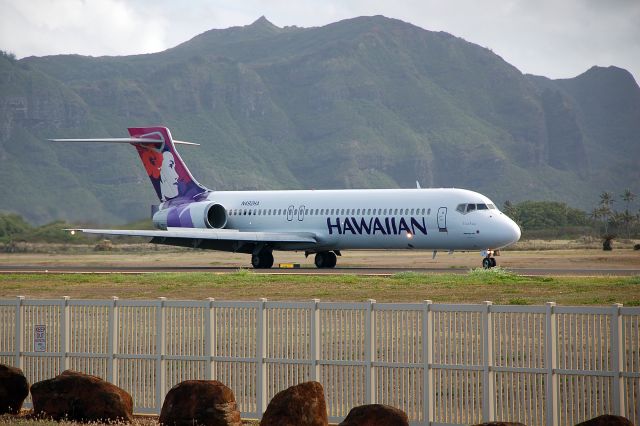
[
  {"x": 122, "y": 140},
  {"x": 209, "y": 234}
]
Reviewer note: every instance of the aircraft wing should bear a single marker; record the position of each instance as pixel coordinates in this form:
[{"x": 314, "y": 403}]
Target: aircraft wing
[{"x": 210, "y": 234}]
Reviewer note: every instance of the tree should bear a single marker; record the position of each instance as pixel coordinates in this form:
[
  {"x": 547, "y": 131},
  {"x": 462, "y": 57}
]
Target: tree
[
  {"x": 606, "y": 209},
  {"x": 626, "y": 217}
]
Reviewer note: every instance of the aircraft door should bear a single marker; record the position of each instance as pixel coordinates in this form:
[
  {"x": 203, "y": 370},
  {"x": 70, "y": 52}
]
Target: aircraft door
[
  {"x": 301, "y": 213},
  {"x": 442, "y": 219},
  {"x": 290, "y": 213}
]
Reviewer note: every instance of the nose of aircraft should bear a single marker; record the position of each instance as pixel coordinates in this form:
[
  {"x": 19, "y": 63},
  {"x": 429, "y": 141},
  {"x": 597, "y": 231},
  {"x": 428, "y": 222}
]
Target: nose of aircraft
[
  {"x": 509, "y": 232},
  {"x": 515, "y": 232}
]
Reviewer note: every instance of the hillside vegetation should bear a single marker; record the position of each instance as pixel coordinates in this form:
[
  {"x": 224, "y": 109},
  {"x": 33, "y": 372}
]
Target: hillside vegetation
[{"x": 361, "y": 103}]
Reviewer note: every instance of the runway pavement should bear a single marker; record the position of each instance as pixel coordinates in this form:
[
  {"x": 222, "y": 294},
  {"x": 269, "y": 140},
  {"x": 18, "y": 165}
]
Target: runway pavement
[{"x": 73, "y": 269}]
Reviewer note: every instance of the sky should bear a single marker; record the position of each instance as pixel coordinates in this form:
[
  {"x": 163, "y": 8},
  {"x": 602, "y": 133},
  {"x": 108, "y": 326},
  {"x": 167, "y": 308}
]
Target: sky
[{"x": 554, "y": 38}]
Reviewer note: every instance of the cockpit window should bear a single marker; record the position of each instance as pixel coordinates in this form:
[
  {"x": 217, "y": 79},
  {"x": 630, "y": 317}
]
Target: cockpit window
[{"x": 471, "y": 207}]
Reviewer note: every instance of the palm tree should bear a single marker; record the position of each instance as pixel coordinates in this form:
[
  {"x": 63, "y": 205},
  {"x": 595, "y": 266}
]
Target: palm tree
[
  {"x": 627, "y": 218},
  {"x": 628, "y": 197},
  {"x": 606, "y": 199},
  {"x": 605, "y": 210}
]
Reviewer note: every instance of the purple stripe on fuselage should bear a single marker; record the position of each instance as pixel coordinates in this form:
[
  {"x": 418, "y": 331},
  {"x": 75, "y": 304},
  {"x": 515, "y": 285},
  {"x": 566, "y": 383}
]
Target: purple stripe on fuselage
[{"x": 179, "y": 217}]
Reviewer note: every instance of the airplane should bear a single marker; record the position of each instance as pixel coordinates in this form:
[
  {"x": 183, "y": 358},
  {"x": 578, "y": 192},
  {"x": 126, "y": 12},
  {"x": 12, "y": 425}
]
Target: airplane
[{"x": 318, "y": 222}]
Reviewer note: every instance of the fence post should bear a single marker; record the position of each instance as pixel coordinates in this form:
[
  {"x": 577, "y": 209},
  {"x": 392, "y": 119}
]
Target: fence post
[
  {"x": 370, "y": 353},
  {"x": 19, "y": 343},
  {"x": 161, "y": 376},
  {"x": 617, "y": 359},
  {"x": 315, "y": 341},
  {"x": 261, "y": 349},
  {"x": 427, "y": 359},
  {"x": 112, "y": 362},
  {"x": 65, "y": 333},
  {"x": 488, "y": 380},
  {"x": 551, "y": 362},
  {"x": 210, "y": 339}
]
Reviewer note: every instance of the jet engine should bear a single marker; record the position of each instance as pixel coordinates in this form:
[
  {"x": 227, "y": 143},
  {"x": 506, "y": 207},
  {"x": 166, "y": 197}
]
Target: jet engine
[{"x": 203, "y": 214}]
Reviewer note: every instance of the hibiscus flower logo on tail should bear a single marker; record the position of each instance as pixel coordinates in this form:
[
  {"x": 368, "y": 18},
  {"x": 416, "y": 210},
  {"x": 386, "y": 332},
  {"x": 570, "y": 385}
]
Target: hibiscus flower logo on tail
[{"x": 152, "y": 161}]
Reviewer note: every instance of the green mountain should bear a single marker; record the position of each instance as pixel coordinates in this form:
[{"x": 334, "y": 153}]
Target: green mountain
[{"x": 366, "y": 102}]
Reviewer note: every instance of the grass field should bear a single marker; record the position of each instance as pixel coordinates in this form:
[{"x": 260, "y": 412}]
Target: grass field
[
  {"x": 497, "y": 285},
  {"x": 476, "y": 285}
]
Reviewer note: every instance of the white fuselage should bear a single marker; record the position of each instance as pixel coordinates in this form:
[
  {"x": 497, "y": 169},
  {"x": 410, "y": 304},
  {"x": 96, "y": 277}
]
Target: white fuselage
[{"x": 373, "y": 218}]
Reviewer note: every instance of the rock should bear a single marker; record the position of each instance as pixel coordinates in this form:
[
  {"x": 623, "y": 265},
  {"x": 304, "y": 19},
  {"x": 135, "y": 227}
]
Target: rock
[
  {"x": 14, "y": 388},
  {"x": 299, "y": 405},
  {"x": 201, "y": 402},
  {"x": 81, "y": 397},
  {"x": 607, "y": 420},
  {"x": 375, "y": 415}
]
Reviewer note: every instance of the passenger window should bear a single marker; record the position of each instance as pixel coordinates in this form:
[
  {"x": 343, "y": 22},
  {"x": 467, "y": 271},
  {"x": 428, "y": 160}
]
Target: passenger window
[
  {"x": 471, "y": 207},
  {"x": 412, "y": 212},
  {"x": 462, "y": 208},
  {"x": 395, "y": 211},
  {"x": 358, "y": 213},
  {"x": 331, "y": 211},
  {"x": 342, "y": 211},
  {"x": 428, "y": 212},
  {"x": 279, "y": 212},
  {"x": 306, "y": 211}
]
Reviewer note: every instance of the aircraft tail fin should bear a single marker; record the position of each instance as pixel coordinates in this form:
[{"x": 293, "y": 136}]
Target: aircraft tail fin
[{"x": 169, "y": 175}]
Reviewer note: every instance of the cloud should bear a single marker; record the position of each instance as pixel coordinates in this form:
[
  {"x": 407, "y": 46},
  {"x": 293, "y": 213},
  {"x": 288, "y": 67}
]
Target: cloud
[{"x": 92, "y": 27}]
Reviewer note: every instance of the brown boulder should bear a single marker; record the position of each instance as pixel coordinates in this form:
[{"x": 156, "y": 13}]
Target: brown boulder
[
  {"x": 201, "y": 402},
  {"x": 299, "y": 405},
  {"x": 375, "y": 415},
  {"x": 81, "y": 397},
  {"x": 14, "y": 388},
  {"x": 607, "y": 420}
]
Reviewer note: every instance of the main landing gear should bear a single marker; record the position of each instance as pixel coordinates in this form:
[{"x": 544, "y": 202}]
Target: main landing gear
[
  {"x": 326, "y": 259},
  {"x": 489, "y": 261},
  {"x": 262, "y": 259}
]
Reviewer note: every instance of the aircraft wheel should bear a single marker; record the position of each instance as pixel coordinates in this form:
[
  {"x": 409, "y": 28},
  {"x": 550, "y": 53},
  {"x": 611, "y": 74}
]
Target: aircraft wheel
[
  {"x": 320, "y": 260},
  {"x": 331, "y": 260},
  {"x": 262, "y": 260},
  {"x": 486, "y": 263},
  {"x": 325, "y": 259},
  {"x": 493, "y": 262}
]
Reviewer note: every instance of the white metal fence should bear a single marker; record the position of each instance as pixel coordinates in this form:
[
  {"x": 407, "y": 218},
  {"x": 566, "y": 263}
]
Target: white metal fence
[{"x": 441, "y": 364}]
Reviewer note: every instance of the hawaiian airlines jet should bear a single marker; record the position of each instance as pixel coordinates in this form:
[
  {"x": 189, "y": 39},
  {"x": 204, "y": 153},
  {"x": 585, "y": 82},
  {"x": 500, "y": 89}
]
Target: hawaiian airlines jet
[{"x": 319, "y": 222}]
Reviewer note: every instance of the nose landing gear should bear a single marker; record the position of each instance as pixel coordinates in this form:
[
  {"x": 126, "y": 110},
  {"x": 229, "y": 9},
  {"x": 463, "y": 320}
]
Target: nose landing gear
[{"x": 489, "y": 261}]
